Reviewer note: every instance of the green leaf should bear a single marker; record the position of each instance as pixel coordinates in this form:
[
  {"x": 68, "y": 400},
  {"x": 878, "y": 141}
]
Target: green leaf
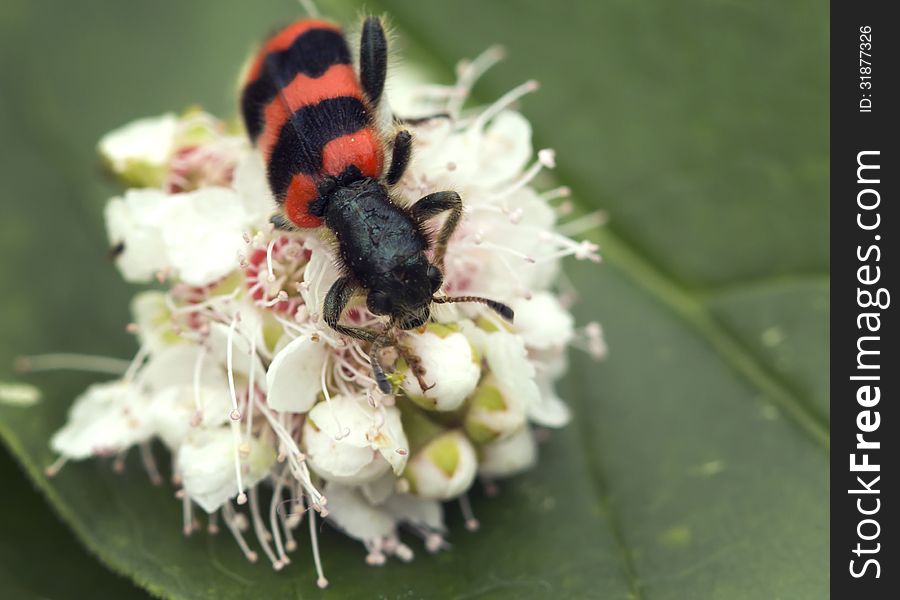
[{"x": 697, "y": 462}]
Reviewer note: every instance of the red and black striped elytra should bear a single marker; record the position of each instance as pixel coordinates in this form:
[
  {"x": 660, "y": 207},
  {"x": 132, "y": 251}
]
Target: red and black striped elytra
[
  {"x": 305, "y": 109},
  {"x": 313, "y": 119}
]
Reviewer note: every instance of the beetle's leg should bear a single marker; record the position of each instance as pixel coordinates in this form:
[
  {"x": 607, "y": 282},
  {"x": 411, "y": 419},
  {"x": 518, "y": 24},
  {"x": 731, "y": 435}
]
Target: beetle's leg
[
  {"x": 373, "y": 59},
  {"x": 282, "y": 223},
  {"x": 335, "y": 302},
  {"x": 432, "y": 205},
  {"x": 415, "y": 365},
  {"x": 400, "y": 157}
]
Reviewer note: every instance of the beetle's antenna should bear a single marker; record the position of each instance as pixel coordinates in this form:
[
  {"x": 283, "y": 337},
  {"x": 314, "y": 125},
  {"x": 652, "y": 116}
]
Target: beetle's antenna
[{"x": 498, "y": 307}]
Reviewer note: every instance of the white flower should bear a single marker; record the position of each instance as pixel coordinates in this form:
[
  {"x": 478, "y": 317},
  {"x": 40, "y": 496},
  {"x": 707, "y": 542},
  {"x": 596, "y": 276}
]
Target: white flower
[
  {"x": 508, "y": 456},
  {"x": 450, "y": 367},
  {"x": 444, "y": 469},
  {"x": 206, "y": 463},
  {"x": 194, "y": 236},
  {"x": 107, "y": 418},
  {"x": 349, "y": 441}
]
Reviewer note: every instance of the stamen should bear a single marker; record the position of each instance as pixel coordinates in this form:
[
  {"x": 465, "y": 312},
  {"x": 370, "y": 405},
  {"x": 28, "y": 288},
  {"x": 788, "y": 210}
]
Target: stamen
[
  {"x": 187, "y": 516},
  {"x": 262, "y": 534},
  {"x": 471, "y": 72},
  {"x": 212, "y": 527},
  {"x": 198, "y": 369},
  {"x": 118, "y": 465},
  {"x": 251, "y": 390},
  {"x": 229, "y": 360},
  {"x": 273, "y": 522},
  {"x": 504, "y": 102},
  {"x": 142, "y": 353},
  {"x": 560, "y": 192},
  {"x": 269, "y": 249},
  {"x": 231, "y": 522},
  {"x": 314, "y": 540},
  {"x": 546, "y": 160},
  {"x": 236, "y": 433},
  {"x": 583, "y": 223},
  {"x": 465, "y": 506},
  {"x": 150, "y": 464},
  {"x": 281, "y": 296},
  {"x": 56, "y": 466}
]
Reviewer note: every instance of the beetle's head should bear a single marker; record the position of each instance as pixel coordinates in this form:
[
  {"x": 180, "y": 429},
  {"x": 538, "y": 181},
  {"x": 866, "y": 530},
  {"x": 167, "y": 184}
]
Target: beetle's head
[{"x": 405, "y": 293}]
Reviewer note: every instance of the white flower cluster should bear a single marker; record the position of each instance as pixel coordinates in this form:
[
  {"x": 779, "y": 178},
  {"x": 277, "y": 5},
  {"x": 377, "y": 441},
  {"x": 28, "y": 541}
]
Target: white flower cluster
[{"x": 243, "y": 382}]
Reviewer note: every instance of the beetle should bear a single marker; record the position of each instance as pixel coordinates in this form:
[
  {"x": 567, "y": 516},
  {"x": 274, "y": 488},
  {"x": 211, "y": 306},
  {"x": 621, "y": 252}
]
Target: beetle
[{"x": 313, "y": 119}]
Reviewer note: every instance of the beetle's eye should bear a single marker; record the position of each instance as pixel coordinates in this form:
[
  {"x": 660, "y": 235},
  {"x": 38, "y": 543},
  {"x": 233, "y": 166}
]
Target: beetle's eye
[
  {"x": 435, "y": 277},
  {"x": 379, "y": 303}
]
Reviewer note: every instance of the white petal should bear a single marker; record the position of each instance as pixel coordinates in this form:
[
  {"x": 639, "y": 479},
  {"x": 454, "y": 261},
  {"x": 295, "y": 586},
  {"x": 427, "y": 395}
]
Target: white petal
[
  {"x": 450, "y": 367},
  {"x": 509, "y": 455},
  {"x": 172, "y": 412},
  {"x": 294, "y": 377},
  {"x": 336, "y": 441},
  {"x": 376, "y": 492},
  {"x": 206, "y": 463},
  {"x": 349, "y": 511},
  {"x": 107, "y": 417},
  {"x": 391, "y": 441},
  {"x": 147, "y": 141},
  {"x": 513, "y": 372},
  {"x": 505, "y": 149},
  {"x": 241, "y": 357},
  {"x": 252, "y": 187},
  {"x": 320, "y": 273},
  {"x": 153, "y": 319},
  {"x": 551, "y": 411},
  {"x": 203, "y": 234},
  {"x": 135, "y": 221},
  {"x": 177, "y": 366},
  {"x": 543, "y": 322},
  {"x": 416, "y": 511}
]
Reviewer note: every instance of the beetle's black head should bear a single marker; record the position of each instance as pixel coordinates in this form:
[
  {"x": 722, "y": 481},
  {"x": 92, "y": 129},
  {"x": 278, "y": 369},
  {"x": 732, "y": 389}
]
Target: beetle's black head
[{"x": 405, "y": 292}]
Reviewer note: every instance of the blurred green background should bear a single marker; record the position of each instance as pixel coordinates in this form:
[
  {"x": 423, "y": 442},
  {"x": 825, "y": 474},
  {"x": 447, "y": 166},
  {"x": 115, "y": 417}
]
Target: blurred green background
[{"x": 697, "y": 463}]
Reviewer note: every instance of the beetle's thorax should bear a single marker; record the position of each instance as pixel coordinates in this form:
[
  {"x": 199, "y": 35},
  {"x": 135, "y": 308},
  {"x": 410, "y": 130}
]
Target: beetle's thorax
[{"x": 380, "y": 244}]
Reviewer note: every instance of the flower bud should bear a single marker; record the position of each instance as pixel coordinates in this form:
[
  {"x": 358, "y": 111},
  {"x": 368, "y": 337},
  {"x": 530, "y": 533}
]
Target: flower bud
[
  {"x": 139, "y": 152},
  {"x": 444, "y": 469},
  {"x": 493, "y": 413},
  {"x": 153, "y": 318},
  {"x": 450, "y": 365},
  {"x": 206, "y": 463},
  {"x": 348, "y": 441},
  {"x": 508, "y": 456}
]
